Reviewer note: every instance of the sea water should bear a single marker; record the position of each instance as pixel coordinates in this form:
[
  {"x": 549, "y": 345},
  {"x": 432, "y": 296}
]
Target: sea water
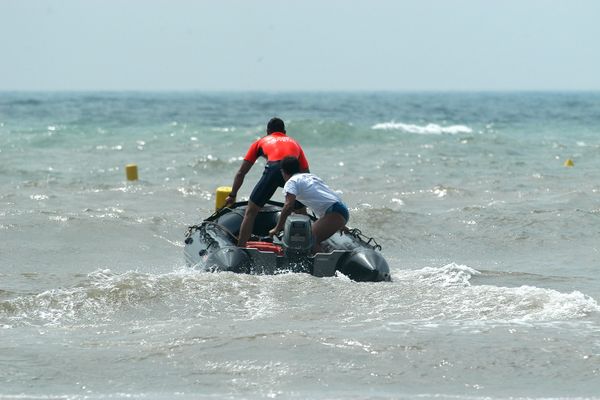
[{"x": 493, "y": 244}]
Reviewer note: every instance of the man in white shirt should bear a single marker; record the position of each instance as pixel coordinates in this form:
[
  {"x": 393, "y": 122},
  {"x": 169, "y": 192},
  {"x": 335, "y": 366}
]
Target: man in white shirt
[{"x": 309, "y": 189}]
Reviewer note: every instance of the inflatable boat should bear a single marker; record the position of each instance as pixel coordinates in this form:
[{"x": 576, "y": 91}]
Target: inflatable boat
[{"x": 212, "y": 246}]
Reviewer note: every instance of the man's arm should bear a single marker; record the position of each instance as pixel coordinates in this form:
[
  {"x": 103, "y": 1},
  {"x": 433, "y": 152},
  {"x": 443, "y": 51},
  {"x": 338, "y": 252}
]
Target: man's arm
[
  {"x": 287, "y": 209},
  {"x": 238, "y": 180}
]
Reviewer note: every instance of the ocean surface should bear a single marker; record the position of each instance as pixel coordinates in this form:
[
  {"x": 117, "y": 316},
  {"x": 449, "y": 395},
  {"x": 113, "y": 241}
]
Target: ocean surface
[{"x": 493, "y": 244}]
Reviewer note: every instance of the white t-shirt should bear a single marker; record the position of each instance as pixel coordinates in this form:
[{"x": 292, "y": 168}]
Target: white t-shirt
[{"x": 312, "y": 191}]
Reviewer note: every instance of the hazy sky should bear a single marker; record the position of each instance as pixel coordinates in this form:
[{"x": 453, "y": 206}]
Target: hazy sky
[{"x": 299, "y": 45}]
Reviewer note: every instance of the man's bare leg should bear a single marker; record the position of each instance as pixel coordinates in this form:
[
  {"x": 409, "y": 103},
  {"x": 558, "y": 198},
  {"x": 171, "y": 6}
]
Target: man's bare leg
[
  {"x": 248, "y": 223},
  {"x": 326, "y": 226}
]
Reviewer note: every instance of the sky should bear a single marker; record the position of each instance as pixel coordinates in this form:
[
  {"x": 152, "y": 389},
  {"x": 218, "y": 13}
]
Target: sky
[{"x": 299, "y": 45}]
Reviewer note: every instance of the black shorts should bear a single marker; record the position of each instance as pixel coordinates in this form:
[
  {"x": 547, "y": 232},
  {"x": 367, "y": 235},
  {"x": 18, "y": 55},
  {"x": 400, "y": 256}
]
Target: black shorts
[{"x": 270, "y": 180}]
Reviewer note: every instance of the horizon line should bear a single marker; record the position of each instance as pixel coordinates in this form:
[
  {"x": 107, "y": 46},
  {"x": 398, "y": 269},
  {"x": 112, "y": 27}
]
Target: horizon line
[{"x": 275, "y": 91}]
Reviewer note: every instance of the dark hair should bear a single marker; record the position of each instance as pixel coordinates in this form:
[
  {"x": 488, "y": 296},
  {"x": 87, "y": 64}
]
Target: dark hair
[
  {"x": 290, "y": 165},
  {"x": 275, "y": 125}
]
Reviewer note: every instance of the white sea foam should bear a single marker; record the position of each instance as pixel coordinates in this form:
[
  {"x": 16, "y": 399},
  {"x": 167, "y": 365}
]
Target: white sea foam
[
  {"x": 449, "y": 275},
  {"x": 429, "y": 129},
  {"x": 449, "y": 293}
]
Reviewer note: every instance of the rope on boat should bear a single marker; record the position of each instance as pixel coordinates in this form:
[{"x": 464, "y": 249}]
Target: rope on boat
[
  {"x": 368, "y": 240},
  {"x": 202, "y": 226}
]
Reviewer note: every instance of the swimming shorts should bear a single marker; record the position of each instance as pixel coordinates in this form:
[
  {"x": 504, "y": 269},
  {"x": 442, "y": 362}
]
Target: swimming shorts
[{"x": 339, "y": 208}]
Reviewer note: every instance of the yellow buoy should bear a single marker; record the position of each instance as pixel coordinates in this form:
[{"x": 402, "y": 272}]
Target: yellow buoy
[
  {"x": 222, "y": 193},
  {"x": 131, "y": 171},
  {"x": 569, "y": 163}
]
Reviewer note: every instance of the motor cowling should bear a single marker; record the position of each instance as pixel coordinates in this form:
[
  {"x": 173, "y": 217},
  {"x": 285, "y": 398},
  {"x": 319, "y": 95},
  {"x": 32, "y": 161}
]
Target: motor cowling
[{"x": 297, "y": 236}]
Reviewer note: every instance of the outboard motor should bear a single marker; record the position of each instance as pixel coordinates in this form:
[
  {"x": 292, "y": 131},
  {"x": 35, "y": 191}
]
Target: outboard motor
[{"x": 297, "y": 240}]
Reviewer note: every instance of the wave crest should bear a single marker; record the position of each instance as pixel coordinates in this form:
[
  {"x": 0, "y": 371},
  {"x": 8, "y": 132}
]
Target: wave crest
[
  {"x": 429, "y": 129},
  {"x": 447, "y": 292}
]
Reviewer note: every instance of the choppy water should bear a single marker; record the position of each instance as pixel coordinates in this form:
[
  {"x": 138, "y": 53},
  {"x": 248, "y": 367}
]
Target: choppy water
[{"x": 494, "y": 247}]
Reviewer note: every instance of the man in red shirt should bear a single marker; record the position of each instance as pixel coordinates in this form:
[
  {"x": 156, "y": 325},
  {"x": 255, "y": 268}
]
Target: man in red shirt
[{"x": 275, "y": 146}]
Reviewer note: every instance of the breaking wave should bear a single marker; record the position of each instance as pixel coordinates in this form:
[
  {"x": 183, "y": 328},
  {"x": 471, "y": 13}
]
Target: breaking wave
[
  {"x": 433, "y": 293},
  {"x": 448, "y": 293},
  {"x": 429, "y": 129}
]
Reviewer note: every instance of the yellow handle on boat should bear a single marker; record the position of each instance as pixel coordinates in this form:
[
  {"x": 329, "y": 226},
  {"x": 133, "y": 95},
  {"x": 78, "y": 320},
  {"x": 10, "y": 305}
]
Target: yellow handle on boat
[{"x": 222, "y": 193}]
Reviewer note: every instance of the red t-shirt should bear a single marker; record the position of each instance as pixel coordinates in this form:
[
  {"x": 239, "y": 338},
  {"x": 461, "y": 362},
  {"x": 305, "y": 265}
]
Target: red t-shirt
[{"x": 276, "y": 147}]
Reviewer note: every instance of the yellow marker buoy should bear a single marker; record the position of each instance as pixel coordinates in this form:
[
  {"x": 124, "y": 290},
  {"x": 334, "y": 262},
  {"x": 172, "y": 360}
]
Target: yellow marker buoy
[
  {"x": 222, "y": 193},
  {"x": 131, "y": 171},
  {"x": 569, "y": 163}
]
